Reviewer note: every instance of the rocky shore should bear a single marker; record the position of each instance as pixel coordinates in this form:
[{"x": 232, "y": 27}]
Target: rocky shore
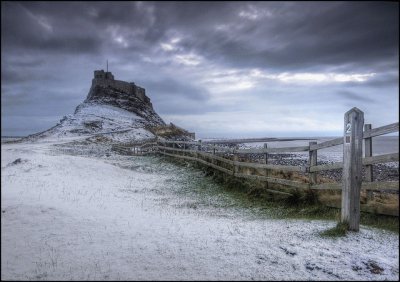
[{"x": 381, "y": 172}]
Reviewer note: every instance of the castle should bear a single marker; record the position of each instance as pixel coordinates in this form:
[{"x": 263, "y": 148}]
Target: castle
[{"x": 106, "y": 79}]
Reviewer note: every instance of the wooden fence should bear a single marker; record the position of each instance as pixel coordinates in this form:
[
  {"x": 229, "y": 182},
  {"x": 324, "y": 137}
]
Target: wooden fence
[{"x": 236, "y": 162}]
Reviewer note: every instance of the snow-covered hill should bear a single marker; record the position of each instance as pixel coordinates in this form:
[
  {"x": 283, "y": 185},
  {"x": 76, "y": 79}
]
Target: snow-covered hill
[
  {"x": 91, "y": 119},
  {"x": 116, "y": 114}
]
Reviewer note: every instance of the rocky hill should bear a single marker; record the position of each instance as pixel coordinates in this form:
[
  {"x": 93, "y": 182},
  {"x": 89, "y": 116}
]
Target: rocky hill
[{"x": 116, "y": 110}]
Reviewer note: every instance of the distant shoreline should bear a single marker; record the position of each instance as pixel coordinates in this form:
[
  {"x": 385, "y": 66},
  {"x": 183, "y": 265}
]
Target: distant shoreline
[
  {"x": 13, "y": 136},
  {"x": 254, "y": 140}
]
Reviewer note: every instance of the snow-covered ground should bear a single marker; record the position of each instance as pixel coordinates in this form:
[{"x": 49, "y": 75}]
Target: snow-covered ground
[{"x": 98, "y": 217}]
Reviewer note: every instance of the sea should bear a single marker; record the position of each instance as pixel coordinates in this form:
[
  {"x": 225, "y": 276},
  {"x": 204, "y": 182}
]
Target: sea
[{"x": 380, "y": 145}]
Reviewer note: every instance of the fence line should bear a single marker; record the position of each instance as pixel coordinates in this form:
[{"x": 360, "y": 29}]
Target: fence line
[{"x": 226, "y": 159}]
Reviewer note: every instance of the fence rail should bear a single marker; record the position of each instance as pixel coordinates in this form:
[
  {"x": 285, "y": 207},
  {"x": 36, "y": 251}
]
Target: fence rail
[
  {"x": 226, "y": 159},
  {"x": 366, "y": 161}
]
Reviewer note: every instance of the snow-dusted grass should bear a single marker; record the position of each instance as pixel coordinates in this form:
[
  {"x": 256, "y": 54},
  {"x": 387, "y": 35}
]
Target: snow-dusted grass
[{"x": 75, "y": 216}]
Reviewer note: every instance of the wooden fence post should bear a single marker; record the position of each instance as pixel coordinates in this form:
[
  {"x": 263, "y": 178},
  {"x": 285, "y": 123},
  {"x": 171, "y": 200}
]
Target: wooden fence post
[
  {"x": 312, "y": 161},
  {"x": 352, "y": 168},
  {"x": 266, "y": 162},
  {"x": 198, "y": 149},
  {"x": 368, "y": 153},
  {"x": 235, "y": 159},
  {"x": 266, "y": 154}
]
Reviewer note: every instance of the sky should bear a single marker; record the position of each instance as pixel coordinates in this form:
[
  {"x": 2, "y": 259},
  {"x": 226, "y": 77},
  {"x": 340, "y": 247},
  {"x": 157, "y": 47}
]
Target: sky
[{"x": 220, "y": 69}]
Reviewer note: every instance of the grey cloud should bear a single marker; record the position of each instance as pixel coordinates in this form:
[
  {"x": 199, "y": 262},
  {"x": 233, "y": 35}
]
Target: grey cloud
[
  {"x": 305, "y": 35},
  {"x": 49, "y": 50},
  {"x": 309, "y": 35},
  {"x": 382, "y": 81},
  {"x": 354, "y": 97},
  {"x": 184, "y": 107},
  {"x": 22, "y": 30},
  {"x": 16, "y": 76},
  {"x": 174, "y": 89}
]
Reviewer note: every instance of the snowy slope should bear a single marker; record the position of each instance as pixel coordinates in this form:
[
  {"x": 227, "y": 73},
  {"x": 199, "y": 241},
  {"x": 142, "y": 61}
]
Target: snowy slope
[
  {"x": 93, "y": 119},
  {"x": 68, "y": 217}
]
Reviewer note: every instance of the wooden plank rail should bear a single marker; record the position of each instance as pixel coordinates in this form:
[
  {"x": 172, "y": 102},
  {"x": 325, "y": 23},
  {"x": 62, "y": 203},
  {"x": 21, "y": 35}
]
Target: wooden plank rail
[
  {"x": 326, "y": 144},
  {"x": 199, "y": 160},
  {"x": 274, "y": 150},
  {"x": 312, "y": 169},
  {"x": 200, "y": 153},
  {"x": 180, "y": 142},
  {"x": 390, "y": 128},
  {"x": 327, "y": 186},
  {"x": 378, "y": 186},
  {"x": 273, "y": 167},
  {"x": 331, "y": 166},
  {"x": 214, "y": 154},
  {"x": 215, "y": 157},
  {"x": 281, "y": 181},
  {"x": 387, "y": 158},
  {"x": 252, "y": 140},
  {"x": 381, "y": 185}
]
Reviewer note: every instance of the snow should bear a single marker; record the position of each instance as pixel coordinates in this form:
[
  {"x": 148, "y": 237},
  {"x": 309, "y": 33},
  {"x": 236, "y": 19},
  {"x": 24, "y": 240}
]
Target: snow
[
  {"x": 78, "y": 216},
  {"x": 91, "y": 119}
]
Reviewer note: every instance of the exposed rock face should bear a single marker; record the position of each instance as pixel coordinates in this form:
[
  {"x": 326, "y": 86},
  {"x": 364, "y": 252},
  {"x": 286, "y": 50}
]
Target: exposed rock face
[{"x": 109, "y": 95}]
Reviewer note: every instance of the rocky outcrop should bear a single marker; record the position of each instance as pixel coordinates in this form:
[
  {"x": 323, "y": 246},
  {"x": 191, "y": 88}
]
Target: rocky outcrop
[
  {"x": 115, "y": 110},
  {"x": 108, "y": 95}
]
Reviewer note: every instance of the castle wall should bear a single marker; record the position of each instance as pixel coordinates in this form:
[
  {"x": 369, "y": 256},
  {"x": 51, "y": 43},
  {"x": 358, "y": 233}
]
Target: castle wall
[
  {"x": 106, "y": 79},
  {"x": 118, "y": 84},
  {"x": 124, "y": 86}
]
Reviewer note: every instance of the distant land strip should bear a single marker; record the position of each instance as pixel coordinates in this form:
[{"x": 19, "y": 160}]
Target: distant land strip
[{"x": 254, "y": 140}]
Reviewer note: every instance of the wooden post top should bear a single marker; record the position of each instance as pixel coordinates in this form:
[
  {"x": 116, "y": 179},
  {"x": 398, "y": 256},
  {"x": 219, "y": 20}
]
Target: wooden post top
[{"x": 355, "y": 109}]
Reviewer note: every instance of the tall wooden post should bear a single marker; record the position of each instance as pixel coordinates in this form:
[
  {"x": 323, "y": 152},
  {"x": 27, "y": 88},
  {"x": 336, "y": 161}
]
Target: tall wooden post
[
  {"x": 213, "y": 149},
  {"x": 352, "y": 167},
  {"x": 198, "y": 149},
  {"x": 266, "y": 154},
  {"x": 266, "y": 162},
  {"x": 368, "y": 153},
  {"x": 312, "y": 161},
  {"x": 235, "y": 159}
]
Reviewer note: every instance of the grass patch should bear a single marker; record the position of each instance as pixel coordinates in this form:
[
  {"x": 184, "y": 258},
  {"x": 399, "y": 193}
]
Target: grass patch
[
  {"x": 340, "y": 230},
  {"x": 386, "y": 222},
  {"x": 251, "y": 198}
]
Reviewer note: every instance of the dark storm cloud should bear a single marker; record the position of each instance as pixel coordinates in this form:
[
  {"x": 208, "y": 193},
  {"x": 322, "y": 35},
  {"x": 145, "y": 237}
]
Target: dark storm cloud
[
  {"x": 25, "y": 30},
  {"x": 51, "y": 46},
  {"x": 310, "y": 35},
  {"x": 295, "y": 35}
]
